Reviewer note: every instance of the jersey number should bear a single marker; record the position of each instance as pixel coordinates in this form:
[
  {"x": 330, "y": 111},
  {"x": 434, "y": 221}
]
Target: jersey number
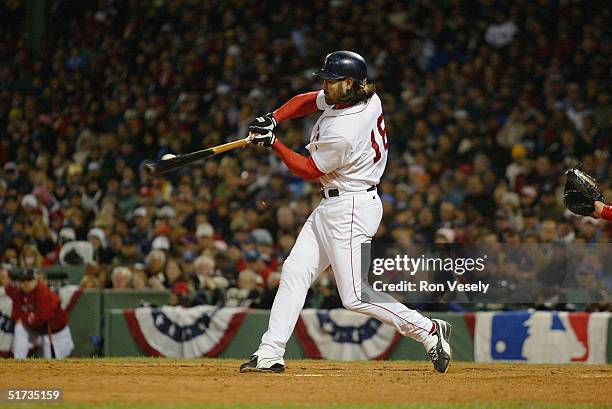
[{"x": 383, "y": 133}]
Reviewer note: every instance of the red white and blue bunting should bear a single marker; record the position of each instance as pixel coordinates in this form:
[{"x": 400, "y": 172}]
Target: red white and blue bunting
[
  {"x": 69, "y": 296},
  {"x": 179, "y": 332},
  {"x": 344, "y": 335}
]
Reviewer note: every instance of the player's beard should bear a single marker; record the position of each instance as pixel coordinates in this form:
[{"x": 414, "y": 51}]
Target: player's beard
[
  {"x": 336, "y": 97},
  {"x": 328, "y": 99}
]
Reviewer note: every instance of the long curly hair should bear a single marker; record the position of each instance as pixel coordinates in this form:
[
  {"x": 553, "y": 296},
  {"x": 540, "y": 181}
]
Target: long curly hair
[{"x": 360, "y": 92}]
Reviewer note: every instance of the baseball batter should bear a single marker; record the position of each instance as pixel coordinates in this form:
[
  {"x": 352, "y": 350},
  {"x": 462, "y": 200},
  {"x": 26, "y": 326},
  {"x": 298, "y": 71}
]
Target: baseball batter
[{"x": 348, "y": 153}]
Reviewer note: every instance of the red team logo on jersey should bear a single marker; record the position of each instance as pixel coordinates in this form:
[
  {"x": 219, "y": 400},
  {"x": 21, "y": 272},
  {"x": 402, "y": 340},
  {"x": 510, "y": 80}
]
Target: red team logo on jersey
[
  {"x": 383, "y": 133},
  {"x": 316, "y": 137}
]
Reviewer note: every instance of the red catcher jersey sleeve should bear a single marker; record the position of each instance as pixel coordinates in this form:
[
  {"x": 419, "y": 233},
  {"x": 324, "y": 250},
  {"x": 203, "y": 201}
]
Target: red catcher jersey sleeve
[{"x": 607, "y": 212}]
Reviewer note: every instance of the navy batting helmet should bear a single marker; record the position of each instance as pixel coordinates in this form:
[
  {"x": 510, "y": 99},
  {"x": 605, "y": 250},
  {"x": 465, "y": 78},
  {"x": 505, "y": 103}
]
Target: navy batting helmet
[{"x": 343, "y": 64}]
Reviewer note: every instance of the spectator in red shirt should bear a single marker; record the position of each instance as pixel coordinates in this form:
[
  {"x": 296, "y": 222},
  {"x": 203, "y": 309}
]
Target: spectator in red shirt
[{"x": 37, "y": 312}]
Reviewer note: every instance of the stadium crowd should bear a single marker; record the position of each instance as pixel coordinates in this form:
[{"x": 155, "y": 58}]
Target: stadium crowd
[{"x": 486, "y": 104}]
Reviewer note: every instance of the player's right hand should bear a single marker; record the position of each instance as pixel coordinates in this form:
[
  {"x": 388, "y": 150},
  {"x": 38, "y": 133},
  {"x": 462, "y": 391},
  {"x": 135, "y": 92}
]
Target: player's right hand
[
  {"x": 265, "y": 140},
  {"x": 263, "y": 124}
]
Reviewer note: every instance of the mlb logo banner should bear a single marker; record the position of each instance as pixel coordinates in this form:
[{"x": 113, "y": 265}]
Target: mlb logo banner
[
  {"x": 179, "y": 332},
  {"x": 344, "y": 335},
  {"x": 541, "y": 337}
]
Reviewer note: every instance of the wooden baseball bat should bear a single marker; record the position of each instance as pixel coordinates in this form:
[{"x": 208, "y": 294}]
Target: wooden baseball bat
[
  {"x": 50, "y": 334},
  {"x": 168, "y": 165}
]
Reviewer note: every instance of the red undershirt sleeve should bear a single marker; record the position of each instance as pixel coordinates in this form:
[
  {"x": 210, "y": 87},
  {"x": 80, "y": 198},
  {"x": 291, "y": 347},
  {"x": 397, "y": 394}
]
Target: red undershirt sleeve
[
  {"x": 606, "y": 213},
  {"x": 297, "y": 106},
  {"x": 298, "y": 164}
]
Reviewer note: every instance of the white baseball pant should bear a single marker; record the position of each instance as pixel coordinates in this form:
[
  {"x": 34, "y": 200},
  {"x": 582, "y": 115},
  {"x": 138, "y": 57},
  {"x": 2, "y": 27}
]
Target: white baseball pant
[
  {"x": 333, "y": 234},
  {"x": 25, "y": 339}
]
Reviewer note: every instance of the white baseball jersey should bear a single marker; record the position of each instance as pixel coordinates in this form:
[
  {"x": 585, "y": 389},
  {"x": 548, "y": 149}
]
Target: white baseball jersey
[{"x": 350, "y": 145}]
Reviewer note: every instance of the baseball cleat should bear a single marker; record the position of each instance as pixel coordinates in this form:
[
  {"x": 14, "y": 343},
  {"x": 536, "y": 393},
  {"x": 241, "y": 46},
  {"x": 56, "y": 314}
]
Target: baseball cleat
[
  {"x": 438, "y": 346},
  {"x": 264, "y": 361}
]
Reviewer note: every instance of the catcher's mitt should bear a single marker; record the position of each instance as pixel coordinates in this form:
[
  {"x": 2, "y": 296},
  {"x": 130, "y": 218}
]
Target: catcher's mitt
[{"x": 581, "y": 190}]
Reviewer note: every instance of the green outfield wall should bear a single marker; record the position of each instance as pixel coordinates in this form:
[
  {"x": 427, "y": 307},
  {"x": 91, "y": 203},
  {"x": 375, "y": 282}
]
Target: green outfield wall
[
  {"x": 85, "y": 321},
  {"x": 89, "y": 316},
  {"x": 99, "y": 328}
]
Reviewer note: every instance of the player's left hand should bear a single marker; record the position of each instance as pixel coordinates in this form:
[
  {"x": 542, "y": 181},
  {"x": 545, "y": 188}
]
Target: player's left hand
[
  {"x": 265, "y": 140},
  {"x": 263, "y": 124}
]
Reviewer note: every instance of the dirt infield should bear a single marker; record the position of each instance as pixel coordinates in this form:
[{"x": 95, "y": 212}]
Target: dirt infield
[{"x": 218, "y": 381}]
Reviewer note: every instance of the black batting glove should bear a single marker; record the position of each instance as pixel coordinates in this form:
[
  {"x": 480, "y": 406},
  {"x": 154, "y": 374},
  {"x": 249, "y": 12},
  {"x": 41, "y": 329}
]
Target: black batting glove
[
  {"x": 263, "y": 124},
  {"x": 265, "y": 140}
]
